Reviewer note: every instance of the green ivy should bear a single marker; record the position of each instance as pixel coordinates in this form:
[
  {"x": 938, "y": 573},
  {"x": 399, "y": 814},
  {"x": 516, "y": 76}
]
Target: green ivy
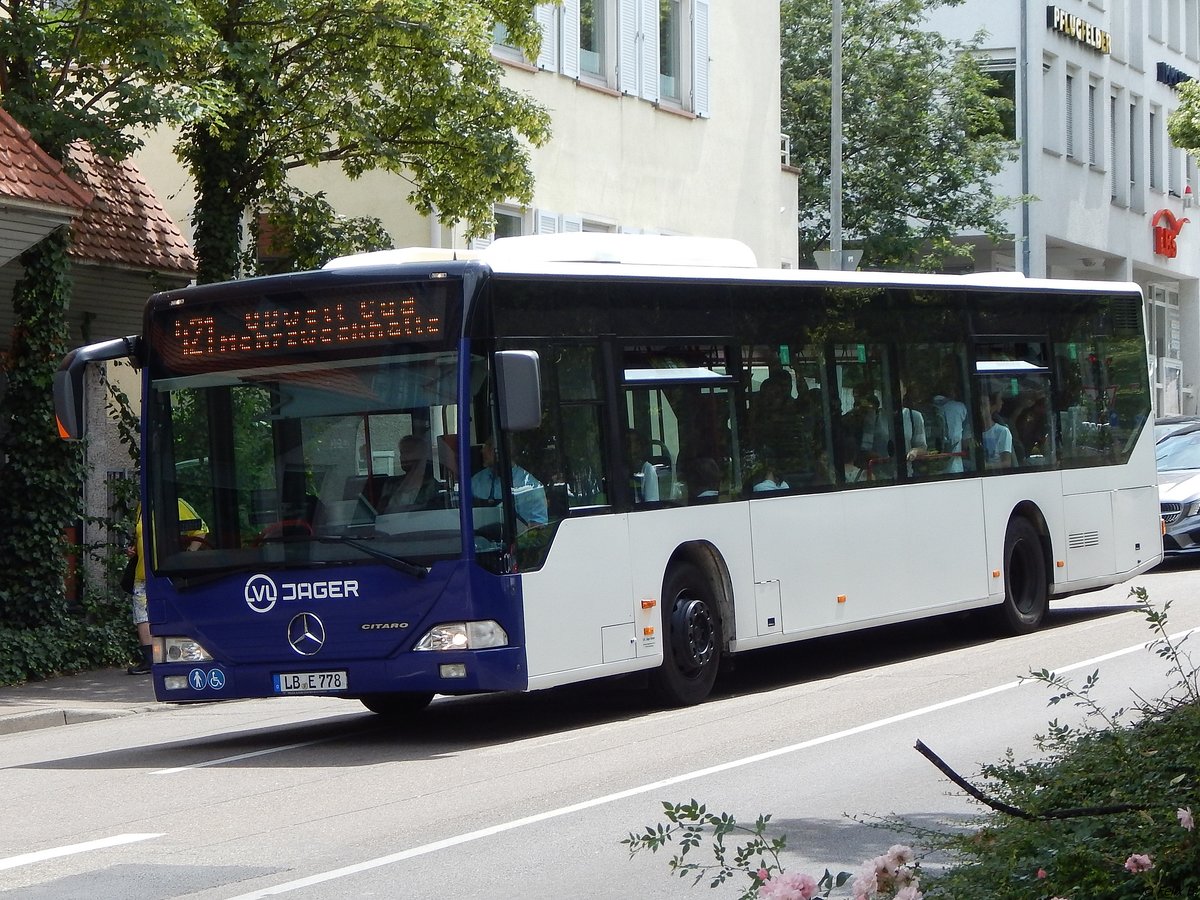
[{"x": 43, "y": 474}]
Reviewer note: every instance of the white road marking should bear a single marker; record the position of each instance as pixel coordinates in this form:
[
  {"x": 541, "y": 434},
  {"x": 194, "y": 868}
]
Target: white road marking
[
  {"x": 229, "y": 759},
  {"x": 26, "y": 859},
  {"x": 470, "y": 836}
]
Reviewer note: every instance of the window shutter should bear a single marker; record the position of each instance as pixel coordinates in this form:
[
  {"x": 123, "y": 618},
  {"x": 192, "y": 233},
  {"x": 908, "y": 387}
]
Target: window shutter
[
  {"x": 480, "y": 243},
  {"x": 547, "y": 19},
  {"x": 627, "y": 59},
  {"x": 648, "y": 31},
  {"x": 700, "y": 58},
  {"x": 570, "y": 38},
  {"x": 572, "y": 223},
  {"x": 545, "y": 222}
]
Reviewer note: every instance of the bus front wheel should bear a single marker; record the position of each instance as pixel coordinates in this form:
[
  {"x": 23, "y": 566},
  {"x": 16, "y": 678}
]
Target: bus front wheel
[
  {"x": 1026, "y": 589},
  {"x": 397, "y": 704},
  {"x": 691, "y": 638}
]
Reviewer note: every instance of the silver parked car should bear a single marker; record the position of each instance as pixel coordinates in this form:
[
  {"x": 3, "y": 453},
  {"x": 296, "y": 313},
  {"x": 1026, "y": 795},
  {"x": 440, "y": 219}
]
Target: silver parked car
[{"x": 1178, "y": 457}]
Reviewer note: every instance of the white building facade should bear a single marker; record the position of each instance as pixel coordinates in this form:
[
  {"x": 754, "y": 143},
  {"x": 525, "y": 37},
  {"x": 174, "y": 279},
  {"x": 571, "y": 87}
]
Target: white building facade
[
  {"x": 1106, "y": 194},
  {"x": 665, "y": 120}
]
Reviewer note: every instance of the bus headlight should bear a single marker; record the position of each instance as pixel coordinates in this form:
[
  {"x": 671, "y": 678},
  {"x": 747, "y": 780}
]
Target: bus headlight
[
  {"x": 179, "y": 650},
  {"x": 464, "y": 636}
]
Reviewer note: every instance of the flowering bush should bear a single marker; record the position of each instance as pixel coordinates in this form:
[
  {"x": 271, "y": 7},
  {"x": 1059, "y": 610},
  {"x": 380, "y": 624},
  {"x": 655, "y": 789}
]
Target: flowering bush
[
  {"x": 1104, "y": 814},
  {"x": 892, "y": 876}
]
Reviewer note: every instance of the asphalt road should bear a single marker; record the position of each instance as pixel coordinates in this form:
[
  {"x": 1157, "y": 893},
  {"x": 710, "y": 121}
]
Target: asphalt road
[{"x": 529, "y": 795}]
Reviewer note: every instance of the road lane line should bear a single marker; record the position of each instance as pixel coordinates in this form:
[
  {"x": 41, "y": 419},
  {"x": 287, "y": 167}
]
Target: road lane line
[
  {"x": 493, "y": 830},
  {"x": 26, "y": 859},
  {"x": 229, "y": 759}
]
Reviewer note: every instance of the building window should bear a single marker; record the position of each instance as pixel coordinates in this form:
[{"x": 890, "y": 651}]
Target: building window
[
  {"x": 1114, "y": 182},
  {"x": 654, "y": 49},
  {"x": 1069, "y": 114},
  {"x": 1003, "y": 73},
  {"x": 663, "y": 54},
  {"x": 1092, "y": 124},
  {"x": 593, "y": 18},
  {"x": 670, "y": 50},
  {"x": 1155, "y": 151}
]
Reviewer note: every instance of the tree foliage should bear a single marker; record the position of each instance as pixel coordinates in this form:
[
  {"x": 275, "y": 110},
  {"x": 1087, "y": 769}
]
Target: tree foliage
[
  {"x": 405, "y": 86},
  {"x": 68, "y": 71},
  {"x": 303, "y": 231},
  {"x": 922, "y": 131},
  {"x": 1183, "y": 125}
]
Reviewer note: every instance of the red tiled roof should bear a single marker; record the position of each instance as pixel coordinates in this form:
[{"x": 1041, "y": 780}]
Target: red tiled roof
[
  {"x": 125, "y": 224},
  {"x": 28, "y": 173}
]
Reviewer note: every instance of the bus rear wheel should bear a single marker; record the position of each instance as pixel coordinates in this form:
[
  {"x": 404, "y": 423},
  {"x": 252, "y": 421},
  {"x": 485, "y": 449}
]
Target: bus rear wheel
[
  {"x": 691, "y": 640},
  {"x": 1026, "y": 588},
  {"x": 397, "y": 704}
]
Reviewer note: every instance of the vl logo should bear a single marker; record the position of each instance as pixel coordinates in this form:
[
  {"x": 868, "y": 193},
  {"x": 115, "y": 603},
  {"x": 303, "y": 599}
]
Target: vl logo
[{"x": 261, "y": 593}]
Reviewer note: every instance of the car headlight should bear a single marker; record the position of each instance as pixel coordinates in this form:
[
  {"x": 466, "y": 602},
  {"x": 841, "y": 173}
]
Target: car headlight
[
  {"x": 464, "y": 636},
  {"x": 1191, "y": 509},
  {"x": 179, "y": 650}
]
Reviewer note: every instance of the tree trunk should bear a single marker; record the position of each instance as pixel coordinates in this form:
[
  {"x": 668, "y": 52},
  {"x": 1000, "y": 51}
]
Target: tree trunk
[{"x": 220, "y": 167}]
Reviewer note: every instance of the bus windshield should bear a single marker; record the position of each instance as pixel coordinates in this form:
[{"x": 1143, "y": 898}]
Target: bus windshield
[{"x": 307, "y": 463}]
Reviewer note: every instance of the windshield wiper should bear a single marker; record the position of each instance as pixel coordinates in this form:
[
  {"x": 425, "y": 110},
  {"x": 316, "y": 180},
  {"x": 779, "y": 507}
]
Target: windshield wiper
[{"x": 396, "y": 562}]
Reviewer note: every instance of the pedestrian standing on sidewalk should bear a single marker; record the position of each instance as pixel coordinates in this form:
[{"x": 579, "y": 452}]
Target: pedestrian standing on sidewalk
[{"x": 134, "y": 579}]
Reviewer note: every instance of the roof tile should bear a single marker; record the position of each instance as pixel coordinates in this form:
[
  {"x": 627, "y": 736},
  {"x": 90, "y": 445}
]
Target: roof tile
[
  {"x": 27, "y": 172},
  {"x": 125, "y": 224}
]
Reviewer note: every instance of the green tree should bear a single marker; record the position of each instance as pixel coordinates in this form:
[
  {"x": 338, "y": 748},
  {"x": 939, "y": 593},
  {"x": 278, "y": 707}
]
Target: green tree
[
  {"x": 1183, "y": 125},
  {"x": 68, "y": 71},
  {"x": 303, "y": 231},
  {"x": 405, "y": 86},
  {"x": 922, "y": 131}
]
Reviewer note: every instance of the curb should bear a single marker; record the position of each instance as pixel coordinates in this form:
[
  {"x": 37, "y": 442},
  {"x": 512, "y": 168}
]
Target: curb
[{"x": 14, "y": 723}]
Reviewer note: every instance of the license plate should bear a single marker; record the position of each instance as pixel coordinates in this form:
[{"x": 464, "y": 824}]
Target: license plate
[{"x": 310, "y": 682}]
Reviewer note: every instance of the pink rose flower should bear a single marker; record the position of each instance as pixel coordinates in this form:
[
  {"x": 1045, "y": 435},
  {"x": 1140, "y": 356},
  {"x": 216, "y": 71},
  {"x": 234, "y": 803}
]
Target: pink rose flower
[
  {"x": 909, "y": 893},
  {"x": 788, "y": 886},
  {"x": 1185, "y": 818},
  {"x": 1041, "y": 873},
  {"x": 1139, "y": 862}
]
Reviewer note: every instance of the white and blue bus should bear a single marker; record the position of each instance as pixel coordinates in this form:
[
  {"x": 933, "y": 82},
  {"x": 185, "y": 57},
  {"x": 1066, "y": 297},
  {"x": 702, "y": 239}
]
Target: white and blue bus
[{"x": 582, "y": 456}]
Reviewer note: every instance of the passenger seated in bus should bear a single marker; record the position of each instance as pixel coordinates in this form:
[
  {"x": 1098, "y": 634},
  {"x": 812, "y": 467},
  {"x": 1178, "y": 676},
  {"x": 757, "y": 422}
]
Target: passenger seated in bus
[
  {"x": 996, "y": 438},
  {"x": 704, "y": 480},
  {"x": 768, "y": 480},
  {"x": 416, "y": 486},
  {"x": 645, "y": 476},
  {"x": 529, "y": 495}
]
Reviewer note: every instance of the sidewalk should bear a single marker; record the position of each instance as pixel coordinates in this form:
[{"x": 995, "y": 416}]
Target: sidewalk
[{"x": 102, "y": 694}]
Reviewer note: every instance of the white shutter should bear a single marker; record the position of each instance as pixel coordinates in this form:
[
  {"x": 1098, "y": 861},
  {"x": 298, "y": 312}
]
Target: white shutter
[
  {"x": 570, "y": 38},
  {"x": 545, "y": 222},
  {"x": 572, "y": 224},
  {"x": 648, "y": 31},
  {"x": 627, "y": 47},
  {"x": 480, "y": 243},
  {"x": 700, "y": 58},
  {"x": 547, "y": 19}
]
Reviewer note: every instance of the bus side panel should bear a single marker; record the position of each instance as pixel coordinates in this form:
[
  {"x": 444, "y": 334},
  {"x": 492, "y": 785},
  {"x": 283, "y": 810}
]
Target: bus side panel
[
  {"x": 891, "y": 553},
  {"x": 579, "y": 602}
]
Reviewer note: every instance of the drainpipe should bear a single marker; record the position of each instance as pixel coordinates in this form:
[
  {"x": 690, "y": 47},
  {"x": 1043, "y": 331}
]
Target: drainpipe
[{"x": 1023, "y": 103}]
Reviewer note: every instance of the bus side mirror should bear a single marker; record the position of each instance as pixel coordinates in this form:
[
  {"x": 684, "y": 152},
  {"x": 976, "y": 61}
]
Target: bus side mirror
[
  {"x": 68, "y": 380},
  {"x": 519, "y": 385}
]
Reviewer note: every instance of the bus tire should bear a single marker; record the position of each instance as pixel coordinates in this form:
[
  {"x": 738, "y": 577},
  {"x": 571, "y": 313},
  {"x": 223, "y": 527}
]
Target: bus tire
[
  {"x": 397, "y": 704},
  {"x": 692, "y": 638},
  {"x": 1026, "y": 587}
]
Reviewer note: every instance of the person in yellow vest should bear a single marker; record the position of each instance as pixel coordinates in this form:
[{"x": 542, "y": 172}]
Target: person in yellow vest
[{"x": 194, "y": 532}]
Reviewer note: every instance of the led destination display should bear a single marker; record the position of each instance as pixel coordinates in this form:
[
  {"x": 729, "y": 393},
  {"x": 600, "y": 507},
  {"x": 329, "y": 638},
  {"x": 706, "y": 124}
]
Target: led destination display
[{"x": 258, "y": 327}]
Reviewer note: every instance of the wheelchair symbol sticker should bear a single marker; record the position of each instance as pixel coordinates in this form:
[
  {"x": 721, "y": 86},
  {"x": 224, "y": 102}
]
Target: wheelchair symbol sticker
[{"x": 216, "y": 679}]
